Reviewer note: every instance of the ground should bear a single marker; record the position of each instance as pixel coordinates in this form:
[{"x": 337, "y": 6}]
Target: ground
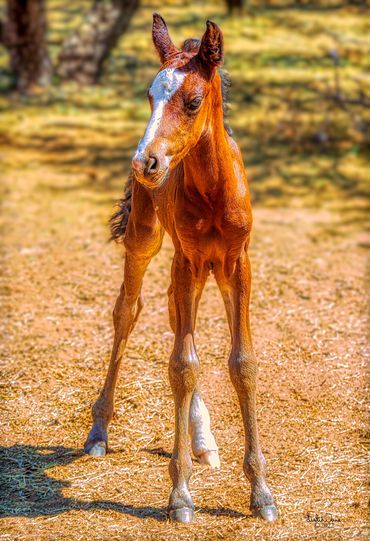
[{"x": 64, "y": 159}]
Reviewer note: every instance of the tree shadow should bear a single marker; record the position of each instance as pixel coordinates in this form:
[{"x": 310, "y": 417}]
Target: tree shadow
[
  {"x": 298, "y": 6},
  {"x": 28, "y": 491}
]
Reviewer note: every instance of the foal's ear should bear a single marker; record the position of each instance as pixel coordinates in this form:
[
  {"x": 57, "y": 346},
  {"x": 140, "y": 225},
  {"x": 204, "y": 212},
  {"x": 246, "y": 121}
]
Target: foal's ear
[
  {"x": 211, "y": 50},
  {"x": 161, "y": 38}
]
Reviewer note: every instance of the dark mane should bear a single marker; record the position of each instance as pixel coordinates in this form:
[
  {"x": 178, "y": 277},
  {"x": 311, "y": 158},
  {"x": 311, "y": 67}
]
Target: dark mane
[
  {"x": 192, "y": 46},
  {"x": 118, "y": 221},
  {"x": 225, "y": 90}
]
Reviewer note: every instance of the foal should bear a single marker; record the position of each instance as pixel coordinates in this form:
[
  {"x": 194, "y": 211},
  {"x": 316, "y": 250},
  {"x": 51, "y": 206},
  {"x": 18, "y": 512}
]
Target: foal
[{"x": 188, "y": 179}]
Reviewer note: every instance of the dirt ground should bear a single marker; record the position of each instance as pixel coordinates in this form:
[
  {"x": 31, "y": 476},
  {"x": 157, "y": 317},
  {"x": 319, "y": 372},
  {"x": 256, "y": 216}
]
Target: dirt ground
[
  {"x": 64, "y": 155},
  {"x": 309, "y": 316}
]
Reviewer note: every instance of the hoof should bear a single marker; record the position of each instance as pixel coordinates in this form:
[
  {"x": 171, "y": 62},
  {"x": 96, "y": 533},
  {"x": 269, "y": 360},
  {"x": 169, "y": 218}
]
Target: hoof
[
  {"x": 183, "y": 514},
  {"x": 268, "y": 513},
  {"x": 210, "y": 458},
  {"x": 96, "y": 449}
]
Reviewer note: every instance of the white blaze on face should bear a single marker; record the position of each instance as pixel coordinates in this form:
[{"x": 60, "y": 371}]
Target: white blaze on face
[{"x": 167, "y": 82}]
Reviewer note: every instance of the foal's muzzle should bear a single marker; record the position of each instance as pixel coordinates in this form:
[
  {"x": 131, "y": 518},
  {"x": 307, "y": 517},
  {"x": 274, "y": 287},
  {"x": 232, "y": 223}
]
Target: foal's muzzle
[
  {"x": 149, "y": 170},
  {"x": 147, "y": 167}
]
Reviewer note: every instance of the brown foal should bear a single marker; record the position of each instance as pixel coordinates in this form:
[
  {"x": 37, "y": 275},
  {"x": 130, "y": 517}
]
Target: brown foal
[{"x": 188, "y": 179}]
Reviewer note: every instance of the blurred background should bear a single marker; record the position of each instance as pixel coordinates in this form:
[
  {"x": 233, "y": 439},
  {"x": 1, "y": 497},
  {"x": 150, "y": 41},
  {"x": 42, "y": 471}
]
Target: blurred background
[{"x": 73, "y": 80}]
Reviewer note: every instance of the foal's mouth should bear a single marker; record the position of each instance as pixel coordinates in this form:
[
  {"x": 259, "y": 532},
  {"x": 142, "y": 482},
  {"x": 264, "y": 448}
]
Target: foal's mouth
[{"x": 152, "y": 181}]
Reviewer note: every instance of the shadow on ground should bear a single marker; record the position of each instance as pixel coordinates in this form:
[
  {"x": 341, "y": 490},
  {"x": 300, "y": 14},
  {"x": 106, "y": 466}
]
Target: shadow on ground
[{"x": 32, "y": 493}]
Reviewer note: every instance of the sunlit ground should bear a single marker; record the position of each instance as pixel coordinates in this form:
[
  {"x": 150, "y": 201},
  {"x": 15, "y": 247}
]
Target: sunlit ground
[{"x": 64, "y": 157}]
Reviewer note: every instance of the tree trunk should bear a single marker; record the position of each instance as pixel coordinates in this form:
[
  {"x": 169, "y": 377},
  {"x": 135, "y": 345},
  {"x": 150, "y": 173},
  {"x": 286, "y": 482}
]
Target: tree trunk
[
  {"x": 235, "y": 5},
  {"x": 24, "y": 35},
  {"x": 83, "y": 53}
]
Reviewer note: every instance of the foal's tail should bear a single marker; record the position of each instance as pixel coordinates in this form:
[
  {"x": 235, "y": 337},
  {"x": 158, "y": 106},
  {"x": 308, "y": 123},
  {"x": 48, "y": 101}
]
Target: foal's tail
[{"x": 118, "y": 221}]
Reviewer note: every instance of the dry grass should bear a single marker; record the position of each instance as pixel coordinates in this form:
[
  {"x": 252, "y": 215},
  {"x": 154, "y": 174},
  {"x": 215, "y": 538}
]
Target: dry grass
[
  {"x": 309, "y": 318},
  {"x": 63, "y": 160}
]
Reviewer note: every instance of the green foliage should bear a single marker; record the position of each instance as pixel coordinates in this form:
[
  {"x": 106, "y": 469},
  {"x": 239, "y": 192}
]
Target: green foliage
[{"x": 300, "y": 96}]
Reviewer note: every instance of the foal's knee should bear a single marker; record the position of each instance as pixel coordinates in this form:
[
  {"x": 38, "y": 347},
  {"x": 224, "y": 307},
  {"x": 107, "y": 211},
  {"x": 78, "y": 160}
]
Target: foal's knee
[
  {"x": 243, "y": 371},
  {"x": 183, "y": 375},
  {"x": 183, "y": 369}
]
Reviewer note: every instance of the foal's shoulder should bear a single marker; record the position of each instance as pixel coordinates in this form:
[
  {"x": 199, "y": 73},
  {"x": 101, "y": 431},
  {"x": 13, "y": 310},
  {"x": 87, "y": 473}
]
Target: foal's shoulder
[{"x": 234, "y": 147}]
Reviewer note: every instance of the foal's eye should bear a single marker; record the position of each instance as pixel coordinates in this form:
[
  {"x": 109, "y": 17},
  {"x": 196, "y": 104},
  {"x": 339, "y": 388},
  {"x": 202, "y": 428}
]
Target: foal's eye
[{"x": 194, "y": 104}]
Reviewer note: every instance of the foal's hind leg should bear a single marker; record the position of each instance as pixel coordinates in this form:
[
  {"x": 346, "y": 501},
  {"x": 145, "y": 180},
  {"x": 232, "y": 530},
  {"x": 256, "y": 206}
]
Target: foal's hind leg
[
  {"x": 243, "y": 369},
  {"x": 203, "y": 443},
  {"x": 142, "y": 240}
]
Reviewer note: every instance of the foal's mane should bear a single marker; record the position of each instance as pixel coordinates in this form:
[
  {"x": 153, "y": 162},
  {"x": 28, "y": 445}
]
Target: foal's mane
[{"x": 118, "y": 221}]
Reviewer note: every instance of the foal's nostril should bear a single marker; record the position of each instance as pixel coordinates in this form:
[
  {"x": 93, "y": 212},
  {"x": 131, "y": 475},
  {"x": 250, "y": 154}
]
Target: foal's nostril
[{"x": 151, "y": 166}]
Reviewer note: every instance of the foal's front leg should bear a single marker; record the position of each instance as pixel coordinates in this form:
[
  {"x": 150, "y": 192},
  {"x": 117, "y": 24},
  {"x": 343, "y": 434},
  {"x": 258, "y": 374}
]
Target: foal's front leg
[
  {"x": 243, "y": 370},
  {"x": 183, "y": 372},
  {"x": 126, "y": 311},
  {"x": 203, "y": 443},
  {"x": 142, "y": 241}
]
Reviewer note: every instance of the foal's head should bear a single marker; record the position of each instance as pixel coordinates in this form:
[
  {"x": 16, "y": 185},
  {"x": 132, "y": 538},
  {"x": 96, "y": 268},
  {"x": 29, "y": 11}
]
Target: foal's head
[{"x": 183, "y": 97}]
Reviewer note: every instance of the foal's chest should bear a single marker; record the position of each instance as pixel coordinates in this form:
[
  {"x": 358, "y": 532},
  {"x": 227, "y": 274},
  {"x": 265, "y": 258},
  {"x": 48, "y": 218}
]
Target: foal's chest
[{"x": 212, "y": 235}]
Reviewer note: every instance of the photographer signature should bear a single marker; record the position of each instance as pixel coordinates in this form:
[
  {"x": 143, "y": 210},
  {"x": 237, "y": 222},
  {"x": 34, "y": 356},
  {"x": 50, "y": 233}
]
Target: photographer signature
[{"x": 326, "y": 520}]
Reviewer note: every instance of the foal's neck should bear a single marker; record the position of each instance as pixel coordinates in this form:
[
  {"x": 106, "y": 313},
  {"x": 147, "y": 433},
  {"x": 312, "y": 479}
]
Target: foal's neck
[{"x": 208, "y": 167}]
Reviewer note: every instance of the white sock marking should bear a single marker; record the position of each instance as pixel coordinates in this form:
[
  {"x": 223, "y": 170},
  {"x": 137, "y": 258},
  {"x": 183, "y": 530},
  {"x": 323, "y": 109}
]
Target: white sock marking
[{"x": 200, "y": 427}]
